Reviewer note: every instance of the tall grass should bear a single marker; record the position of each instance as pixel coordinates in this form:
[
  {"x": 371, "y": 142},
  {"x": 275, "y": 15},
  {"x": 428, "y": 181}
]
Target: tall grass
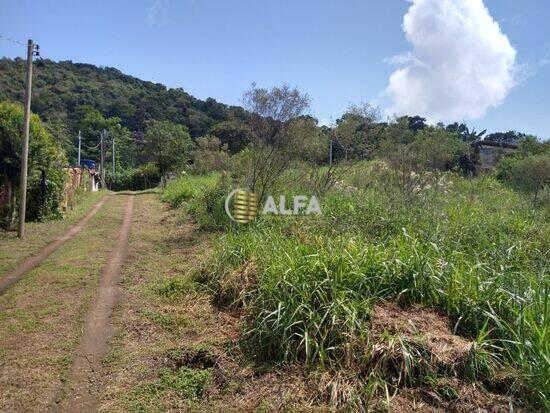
[
  {"x": 188, "y": 187},
  {"x": 472, "y": 248}
]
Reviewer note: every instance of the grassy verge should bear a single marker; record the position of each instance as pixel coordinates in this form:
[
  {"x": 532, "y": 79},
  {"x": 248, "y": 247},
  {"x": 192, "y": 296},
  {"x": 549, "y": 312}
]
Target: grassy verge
[
  {"x": 180, "y": 190},
  {"x": 478, "y": 252},
  {"x": 38, "y": 234}
]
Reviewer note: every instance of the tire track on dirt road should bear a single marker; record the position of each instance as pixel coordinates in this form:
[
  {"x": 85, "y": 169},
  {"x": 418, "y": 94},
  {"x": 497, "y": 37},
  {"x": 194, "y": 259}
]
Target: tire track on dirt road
[
  {"x": 85, "y": 375},
  {"x": 11, "y": 277}
]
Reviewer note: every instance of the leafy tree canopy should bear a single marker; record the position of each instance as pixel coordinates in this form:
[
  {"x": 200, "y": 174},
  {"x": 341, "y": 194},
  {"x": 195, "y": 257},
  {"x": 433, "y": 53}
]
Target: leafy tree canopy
[
  {"x": 61, "y": 89},
  {"x": 167, "y": 144}
]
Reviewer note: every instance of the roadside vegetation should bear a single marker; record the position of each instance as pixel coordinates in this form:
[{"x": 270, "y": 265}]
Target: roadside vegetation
[
  {"x": 410, "y": 229},
  {"x": 46, "y": 179}
]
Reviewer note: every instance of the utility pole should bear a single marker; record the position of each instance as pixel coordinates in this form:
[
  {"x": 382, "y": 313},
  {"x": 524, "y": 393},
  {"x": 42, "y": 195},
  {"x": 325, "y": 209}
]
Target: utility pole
[
  {"x": 25, "y": 153},
  {"x": 113, "y": 157},
  {"x": 102, "y": 162},
  {"x": 79, "y": 145}
]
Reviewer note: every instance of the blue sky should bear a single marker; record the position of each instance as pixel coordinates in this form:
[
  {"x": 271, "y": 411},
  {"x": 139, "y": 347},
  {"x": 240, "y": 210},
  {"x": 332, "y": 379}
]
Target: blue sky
[{"x": 337, "y": 52}]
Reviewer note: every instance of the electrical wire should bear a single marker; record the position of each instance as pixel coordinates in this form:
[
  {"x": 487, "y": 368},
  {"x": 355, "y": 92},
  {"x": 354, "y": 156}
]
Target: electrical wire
[
  {"x": 12, "y": 41},
  {"x": 90, "y": 147}
]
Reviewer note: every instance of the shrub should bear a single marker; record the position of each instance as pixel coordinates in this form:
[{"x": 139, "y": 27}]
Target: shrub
[
  {"x": 208, "y": 207},
  {"x": 433, "y": 149},
  {"x": 138, "y": 179},
  {"x": 46, "y": 178},
  {"x": 530, "y": 174}
]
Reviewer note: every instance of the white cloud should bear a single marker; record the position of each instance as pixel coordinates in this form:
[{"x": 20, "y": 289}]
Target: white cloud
[{"x": 460, "y": 66}]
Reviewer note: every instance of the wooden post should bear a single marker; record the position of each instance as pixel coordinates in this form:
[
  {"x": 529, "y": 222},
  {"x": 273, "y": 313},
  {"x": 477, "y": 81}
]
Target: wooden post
[{"x": 25, "y": 152}]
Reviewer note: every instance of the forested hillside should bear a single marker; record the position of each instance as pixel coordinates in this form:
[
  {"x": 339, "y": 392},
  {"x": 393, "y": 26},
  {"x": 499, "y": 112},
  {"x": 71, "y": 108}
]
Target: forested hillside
[{"x": 60, "y": 88}]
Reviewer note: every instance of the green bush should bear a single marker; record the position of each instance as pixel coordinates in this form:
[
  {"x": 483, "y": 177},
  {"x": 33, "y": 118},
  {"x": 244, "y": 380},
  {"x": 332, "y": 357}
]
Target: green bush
[
  {"x": 433, "y": 149},
  {"x": 529, "y": 174},
  {"x": 138, "y": 179},
  {"x": 208, "y": 207},
  {"x": 209, "y": 155},
  {"x": 46, "y": 177},
  {"x": 202, "y": 197}
]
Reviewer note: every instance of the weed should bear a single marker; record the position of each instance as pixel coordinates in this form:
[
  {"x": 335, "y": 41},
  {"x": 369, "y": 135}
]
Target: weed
[
  {"x": 176, "y": 287},
  {"x": 186, "y": 383},
  {"x": 197, "y": 356},
  {"x": 170, "y": 322}
]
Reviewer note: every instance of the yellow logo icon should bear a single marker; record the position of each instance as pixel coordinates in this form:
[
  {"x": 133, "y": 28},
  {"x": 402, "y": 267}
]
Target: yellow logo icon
[{"x": 245, "y": 206}]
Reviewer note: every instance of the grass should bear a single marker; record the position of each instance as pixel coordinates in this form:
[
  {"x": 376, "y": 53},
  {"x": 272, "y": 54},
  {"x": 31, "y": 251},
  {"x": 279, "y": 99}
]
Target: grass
[
  {"x": 188, "y": 187},
  {"x": 177, "y": 287},
  {"x": 37, "y": 234},
  {"x": 169, "y": 321},
  {"x": 185, "y": 383},
  {"x": 470, "y": 247},
  {"x": 162, "y": 310},
  {"x": 157, "y": 280},
  {"x": 200, "y": 198}
]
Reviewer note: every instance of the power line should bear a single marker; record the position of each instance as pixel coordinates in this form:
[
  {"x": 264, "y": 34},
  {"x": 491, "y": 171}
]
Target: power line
[
  {"x": 12, "y": 41},
  {"x": 91, "y": 147}
]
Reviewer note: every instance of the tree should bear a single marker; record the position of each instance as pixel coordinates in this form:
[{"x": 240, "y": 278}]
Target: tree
[
  {"x": 309, "y": 142},
  {"x": 530, "y": 174},
  {"x": 530, "y": 145},
  {"x": 357, "y": 132},
  {"x": 432, "y": 149},
  {"x": 397, "y": 132},
  {"x": 60, "y": 87},
  {"x": 234, "y": 133},
  {"x": 271, "y": 112},
  {"x": 416, "y": 123},
  {"x": 464, "y": 133},
  {"x": 437, "y": 149},
  {"x": 209, "y": 155},
  {"x": 506, "y": 137},
  {"x": 167, "y": 144},
  {"x": 46, "y": 160}
]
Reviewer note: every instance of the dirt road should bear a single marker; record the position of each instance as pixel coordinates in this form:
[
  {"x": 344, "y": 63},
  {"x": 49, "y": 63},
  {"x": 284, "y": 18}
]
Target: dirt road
[
  {"x": 57, "y": 308},
  {"x": 86, "y": 374},
  {"x": 68, "y": 324}
]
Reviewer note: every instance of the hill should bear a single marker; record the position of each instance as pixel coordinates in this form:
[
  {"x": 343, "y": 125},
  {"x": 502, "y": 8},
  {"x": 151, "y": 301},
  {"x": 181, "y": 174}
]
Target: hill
[{"x": 59, "y": 88}]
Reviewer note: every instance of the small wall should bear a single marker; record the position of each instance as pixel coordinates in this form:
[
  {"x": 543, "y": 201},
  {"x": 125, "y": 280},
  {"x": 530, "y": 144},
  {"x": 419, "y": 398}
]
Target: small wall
[{"x": 78, "y": 180}]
